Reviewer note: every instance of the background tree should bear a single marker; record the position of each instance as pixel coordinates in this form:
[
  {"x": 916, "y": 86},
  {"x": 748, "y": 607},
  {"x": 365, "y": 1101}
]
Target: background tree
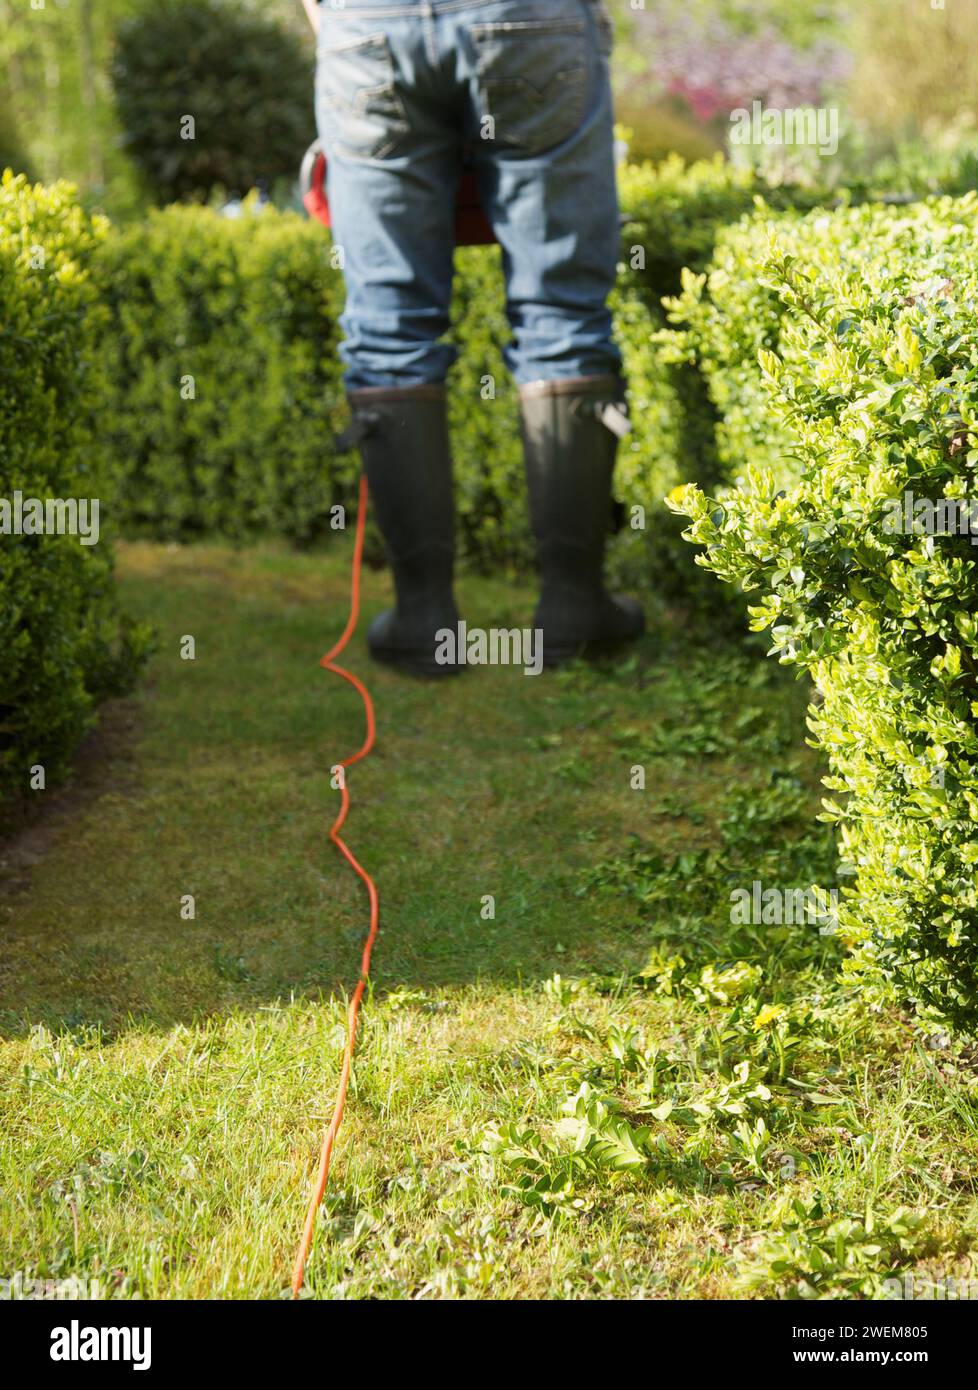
[
  {"x": 12, "y": 152},
  {"x": 245, "y": 81},
  {"x": 56, "y": 109}
]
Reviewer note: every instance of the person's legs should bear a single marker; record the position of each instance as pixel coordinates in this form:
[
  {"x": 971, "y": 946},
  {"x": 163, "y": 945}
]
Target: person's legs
[
  {"x": 403, "y": 438},
  {"x": 543, "y": 144},
  {"x": 392, "y": 149},
  {"x": 541, "y": 123},
  {"x": 569, "y": 444}
]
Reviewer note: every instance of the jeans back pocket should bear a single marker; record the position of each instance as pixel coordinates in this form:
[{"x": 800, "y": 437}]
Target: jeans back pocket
[
  {"x": 532, "y": 77},
  {"x": 358, "y": 107}
]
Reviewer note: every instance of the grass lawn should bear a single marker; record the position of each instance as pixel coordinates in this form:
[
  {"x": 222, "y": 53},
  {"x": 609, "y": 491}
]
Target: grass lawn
[{"x": 598, "y": 1085}]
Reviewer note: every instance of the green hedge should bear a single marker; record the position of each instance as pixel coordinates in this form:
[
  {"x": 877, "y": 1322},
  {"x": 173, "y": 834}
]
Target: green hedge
[
  {"x": 224, "y": 391},
  {"x": 727, "y": 315},
  {"x": 248, "y": 309},
  {"x": 844, "y": 350},
  {"x": 64, "y": 645},
  {"x": 684, "y": 219},
  {"x": 673, "y": 215},
  {"x": 225, "y": 394}
]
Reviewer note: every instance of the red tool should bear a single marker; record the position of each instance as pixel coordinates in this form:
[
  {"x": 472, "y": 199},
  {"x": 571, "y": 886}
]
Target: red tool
[{"x": 472, "y": 226}]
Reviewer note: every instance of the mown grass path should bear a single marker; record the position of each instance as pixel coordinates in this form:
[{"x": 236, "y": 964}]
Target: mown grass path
[{"x": 603, "y": 1088}]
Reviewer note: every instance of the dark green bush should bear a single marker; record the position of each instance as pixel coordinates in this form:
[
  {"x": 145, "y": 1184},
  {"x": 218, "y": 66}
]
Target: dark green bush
[
  {"x": 224, "y": 390},
  {"x": 64, "y": 645},
  {"x": 484, "y": 419},
  {"x": 244, "y": 81},
  {"x": 846, "y": 347}
]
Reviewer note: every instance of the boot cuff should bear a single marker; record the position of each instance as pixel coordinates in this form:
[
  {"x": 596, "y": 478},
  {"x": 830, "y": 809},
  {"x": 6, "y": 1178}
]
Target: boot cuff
[
  {"x": 381, "y": 395},
  {"x": 606, "y": 385}
]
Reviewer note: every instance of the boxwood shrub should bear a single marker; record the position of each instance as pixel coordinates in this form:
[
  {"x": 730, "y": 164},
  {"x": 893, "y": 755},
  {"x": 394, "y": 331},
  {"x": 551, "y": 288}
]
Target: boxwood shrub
[
  {"x": 64, "y": 644},
  {"x": 673, "y": 215},
  {"x": 224, "y": 392},
  {"x": 846, "y": 347},
  {"x": 726, "y": 315}
]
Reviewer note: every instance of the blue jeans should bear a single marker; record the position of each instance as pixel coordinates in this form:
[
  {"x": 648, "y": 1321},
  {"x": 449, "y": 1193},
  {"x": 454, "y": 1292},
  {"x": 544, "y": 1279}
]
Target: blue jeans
[{"x": 521, "y": 87}]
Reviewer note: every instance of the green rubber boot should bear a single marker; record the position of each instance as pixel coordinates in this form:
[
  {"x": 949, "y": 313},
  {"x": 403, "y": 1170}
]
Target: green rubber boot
[
  {"x": 403, "y": 437},
  {"x": 570, "y": 439}
]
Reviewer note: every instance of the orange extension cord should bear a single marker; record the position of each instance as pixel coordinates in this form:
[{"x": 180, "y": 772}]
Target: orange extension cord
[{"x": 328, "y": 662}]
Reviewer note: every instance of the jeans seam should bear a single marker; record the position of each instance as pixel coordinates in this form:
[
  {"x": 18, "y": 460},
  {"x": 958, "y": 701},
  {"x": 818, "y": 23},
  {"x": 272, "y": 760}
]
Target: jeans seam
[
  {"x": 413, "y": 11},
  {"x": 527, "y": 26},
  {"x": 425, "y": 13}
]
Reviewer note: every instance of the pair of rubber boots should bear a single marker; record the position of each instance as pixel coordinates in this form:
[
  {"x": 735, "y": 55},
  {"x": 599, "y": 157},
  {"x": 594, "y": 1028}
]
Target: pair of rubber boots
[{"x": 570, "y": 434}]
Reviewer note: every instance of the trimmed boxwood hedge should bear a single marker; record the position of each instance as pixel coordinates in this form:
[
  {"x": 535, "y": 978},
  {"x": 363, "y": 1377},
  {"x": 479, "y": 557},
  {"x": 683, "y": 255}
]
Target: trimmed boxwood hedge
[
  {"x": 843, "y": 350},
  {"x": 225, "y": 396},
  {"x": 223, "y": 387},
  {"x": 225, "y": 384},
  {"x": 64, "y": 644},
  {"x": 673, "y": 215}
]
